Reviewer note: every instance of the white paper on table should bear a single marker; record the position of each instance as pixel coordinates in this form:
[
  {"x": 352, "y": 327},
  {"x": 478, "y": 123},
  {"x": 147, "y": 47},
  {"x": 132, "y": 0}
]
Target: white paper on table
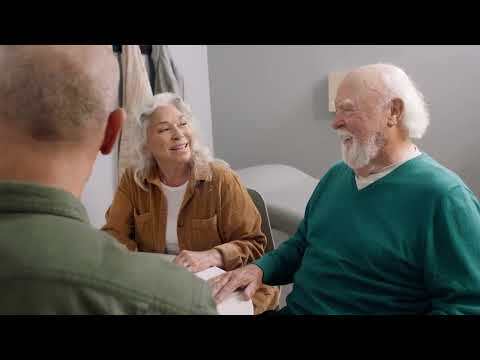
[{"x": 235, "y": 304}]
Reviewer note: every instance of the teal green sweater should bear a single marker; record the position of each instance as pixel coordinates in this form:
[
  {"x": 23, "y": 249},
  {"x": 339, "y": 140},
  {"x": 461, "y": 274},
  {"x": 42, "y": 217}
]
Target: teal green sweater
[{"x": 407, "y": 244}]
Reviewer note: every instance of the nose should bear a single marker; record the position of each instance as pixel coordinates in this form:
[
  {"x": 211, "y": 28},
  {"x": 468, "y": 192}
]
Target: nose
[
  {"x": 177, "y": 133},
  {"x": 338, "y": 122}
]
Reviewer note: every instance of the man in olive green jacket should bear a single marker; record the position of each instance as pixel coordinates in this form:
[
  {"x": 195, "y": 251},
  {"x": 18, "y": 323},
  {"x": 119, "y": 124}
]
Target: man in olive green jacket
[{"x": 58, "y": 109}]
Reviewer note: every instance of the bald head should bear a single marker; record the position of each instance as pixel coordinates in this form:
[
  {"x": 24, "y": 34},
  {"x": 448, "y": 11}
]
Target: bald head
[
  {"x": 58, "y": 93},
  {"x": 375, "y": 85},
  {"x": 367, "y": 84}
]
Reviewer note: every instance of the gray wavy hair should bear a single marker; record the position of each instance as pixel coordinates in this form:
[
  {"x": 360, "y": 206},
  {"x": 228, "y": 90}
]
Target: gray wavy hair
[{"x": 145, "y": 162}]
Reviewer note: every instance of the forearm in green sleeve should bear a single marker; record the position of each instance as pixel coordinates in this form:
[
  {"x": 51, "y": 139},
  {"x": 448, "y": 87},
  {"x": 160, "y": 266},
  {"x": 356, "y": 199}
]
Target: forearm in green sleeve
[{"x": 280, "y": 265}]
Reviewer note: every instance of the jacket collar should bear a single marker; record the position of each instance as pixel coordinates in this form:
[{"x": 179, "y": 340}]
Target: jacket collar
[
  {"x": 200, "y": 172},
  {"x": 23, "y": 197}
]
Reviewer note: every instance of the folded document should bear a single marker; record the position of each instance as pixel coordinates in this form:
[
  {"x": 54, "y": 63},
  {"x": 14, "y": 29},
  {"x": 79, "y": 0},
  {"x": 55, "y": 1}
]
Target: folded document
[{"x": 235, "y": 304}]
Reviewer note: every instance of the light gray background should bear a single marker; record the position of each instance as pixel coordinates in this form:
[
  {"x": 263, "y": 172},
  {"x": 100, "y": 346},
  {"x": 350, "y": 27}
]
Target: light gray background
[{"x": 270, "y": 103}]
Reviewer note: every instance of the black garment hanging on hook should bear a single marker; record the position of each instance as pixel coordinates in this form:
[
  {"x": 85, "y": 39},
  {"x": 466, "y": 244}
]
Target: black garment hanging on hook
[{"x": 145, "y": 49}]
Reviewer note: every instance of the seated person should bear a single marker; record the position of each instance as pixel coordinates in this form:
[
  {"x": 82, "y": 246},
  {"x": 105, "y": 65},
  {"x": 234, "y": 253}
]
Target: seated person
[
  {"x": 178, "y": 200},
  {"x": 388, "y": 230},
  {"x": 58, "y": 110}
]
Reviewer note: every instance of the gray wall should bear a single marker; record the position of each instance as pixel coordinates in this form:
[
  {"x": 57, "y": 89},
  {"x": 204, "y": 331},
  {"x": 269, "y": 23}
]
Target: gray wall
[
  {"x": 192, "y": 62},
  {"x": 270, "y": 103}
]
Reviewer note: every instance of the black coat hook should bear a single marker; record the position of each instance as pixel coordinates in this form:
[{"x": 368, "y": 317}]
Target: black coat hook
[{"x": 145, "y": 49}]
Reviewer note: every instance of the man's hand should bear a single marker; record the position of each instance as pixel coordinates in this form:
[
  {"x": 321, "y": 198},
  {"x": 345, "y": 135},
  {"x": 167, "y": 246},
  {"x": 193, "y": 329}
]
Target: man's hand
[
  {"x": 248, "y": 278},
  {"x": 196, "y": 261}
]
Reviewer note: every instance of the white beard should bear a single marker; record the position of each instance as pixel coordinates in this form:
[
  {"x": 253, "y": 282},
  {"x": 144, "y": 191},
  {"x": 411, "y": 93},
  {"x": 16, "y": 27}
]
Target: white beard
[{"x": 359, "y": 155}]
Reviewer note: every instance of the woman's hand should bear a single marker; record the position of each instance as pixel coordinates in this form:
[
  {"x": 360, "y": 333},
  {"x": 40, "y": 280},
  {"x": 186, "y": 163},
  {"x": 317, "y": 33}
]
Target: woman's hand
[{"x": 196, "y": 261}]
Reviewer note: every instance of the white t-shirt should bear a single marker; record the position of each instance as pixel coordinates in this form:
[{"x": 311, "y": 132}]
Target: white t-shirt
[
  {"x": 363, "y": 182},
  {"x": 174, "y": 197}
]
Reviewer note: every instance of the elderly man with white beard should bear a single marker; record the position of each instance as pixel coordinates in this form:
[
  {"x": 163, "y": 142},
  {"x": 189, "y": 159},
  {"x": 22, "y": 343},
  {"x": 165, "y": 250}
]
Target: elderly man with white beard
[{"x": 388, "y": 230}]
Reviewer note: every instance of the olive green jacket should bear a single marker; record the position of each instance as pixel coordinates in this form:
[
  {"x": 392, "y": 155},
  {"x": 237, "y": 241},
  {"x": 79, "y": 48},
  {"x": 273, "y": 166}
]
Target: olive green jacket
[{"x": 52, "y": 261}]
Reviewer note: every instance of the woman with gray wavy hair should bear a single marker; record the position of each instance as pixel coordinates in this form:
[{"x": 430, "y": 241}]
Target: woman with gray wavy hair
[
  {"x": 199, "y": 155},
  {"x": 178, "y": 200}
]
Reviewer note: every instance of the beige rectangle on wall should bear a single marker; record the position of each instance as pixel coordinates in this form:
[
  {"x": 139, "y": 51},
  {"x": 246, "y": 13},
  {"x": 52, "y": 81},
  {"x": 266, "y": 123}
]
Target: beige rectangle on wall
[{"x": 334, "y": 79}]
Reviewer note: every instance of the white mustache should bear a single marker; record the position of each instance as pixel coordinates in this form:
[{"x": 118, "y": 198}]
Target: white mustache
[{"x": 343, "y": 134}]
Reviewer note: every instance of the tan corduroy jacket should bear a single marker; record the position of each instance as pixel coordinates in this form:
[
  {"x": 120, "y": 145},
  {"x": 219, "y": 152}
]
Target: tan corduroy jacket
[{"x": 216, "y": 212}]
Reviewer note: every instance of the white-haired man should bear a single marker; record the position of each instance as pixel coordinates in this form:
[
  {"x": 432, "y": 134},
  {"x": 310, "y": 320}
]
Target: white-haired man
[{"x": 388, "y": 230}]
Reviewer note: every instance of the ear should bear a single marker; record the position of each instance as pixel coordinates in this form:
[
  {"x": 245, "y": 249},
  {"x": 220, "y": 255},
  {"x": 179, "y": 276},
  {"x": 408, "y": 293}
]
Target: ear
[
  {"x": 114, "y": 125},
  {"x": 396, "y": 112}
]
